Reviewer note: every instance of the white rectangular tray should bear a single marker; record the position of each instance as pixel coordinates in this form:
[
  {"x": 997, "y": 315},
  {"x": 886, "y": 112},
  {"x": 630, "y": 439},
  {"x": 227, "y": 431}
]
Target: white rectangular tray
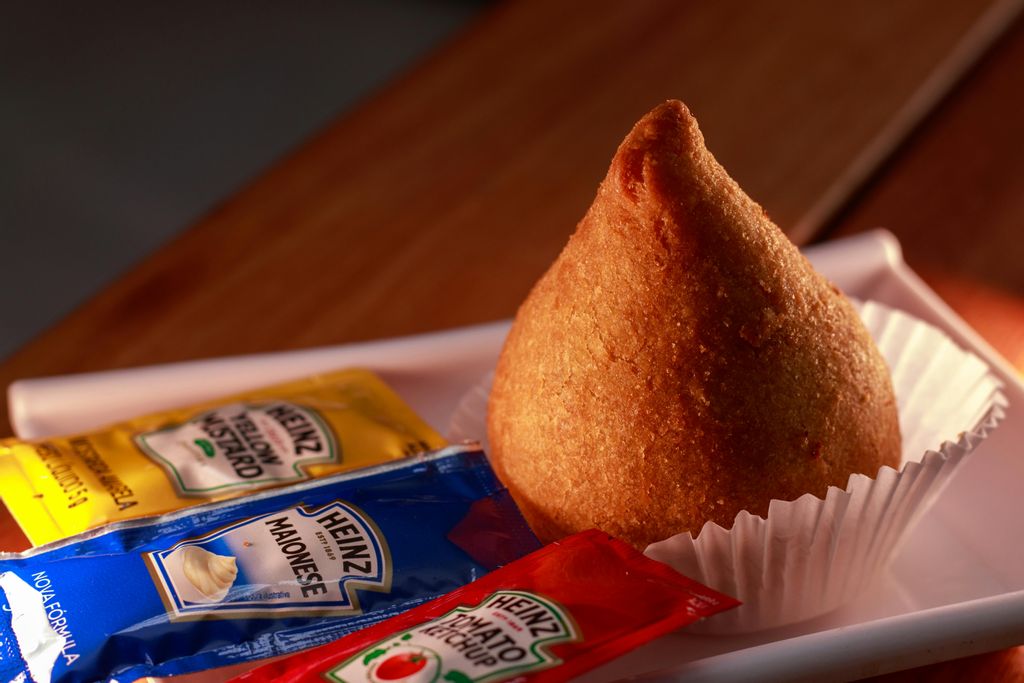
[{"x": 956, "y": 588}]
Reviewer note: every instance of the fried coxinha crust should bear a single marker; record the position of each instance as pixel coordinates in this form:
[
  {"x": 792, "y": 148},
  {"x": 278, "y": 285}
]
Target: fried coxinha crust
[{"x": 681, "y": 361}]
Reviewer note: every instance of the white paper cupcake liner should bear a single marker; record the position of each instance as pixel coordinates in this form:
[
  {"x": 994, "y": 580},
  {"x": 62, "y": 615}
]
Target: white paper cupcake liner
[{"x": 811, "y": 555}]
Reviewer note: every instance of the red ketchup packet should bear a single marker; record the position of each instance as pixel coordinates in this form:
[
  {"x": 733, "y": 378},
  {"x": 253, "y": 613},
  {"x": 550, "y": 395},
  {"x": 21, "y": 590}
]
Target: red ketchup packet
[{"x": 549, "y": 616}]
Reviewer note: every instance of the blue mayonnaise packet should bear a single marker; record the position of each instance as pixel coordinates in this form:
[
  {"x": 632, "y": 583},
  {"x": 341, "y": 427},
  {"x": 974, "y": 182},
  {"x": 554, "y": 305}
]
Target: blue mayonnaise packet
[{"x": 256, "y": 577}]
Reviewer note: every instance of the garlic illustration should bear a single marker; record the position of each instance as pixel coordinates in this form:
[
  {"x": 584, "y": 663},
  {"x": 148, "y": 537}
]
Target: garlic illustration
[{"x": 211, "y": 574}]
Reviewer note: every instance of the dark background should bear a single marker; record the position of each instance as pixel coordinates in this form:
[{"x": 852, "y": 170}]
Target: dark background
[{"x": 122, "y": 123}]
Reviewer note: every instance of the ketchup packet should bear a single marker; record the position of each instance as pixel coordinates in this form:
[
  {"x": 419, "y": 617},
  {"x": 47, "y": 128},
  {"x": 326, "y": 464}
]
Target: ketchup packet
[{"x": 549, "y": 616}]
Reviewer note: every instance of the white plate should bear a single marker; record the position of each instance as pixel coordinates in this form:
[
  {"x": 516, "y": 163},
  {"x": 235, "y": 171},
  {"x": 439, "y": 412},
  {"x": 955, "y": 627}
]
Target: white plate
[{"x": 956, "y": 588}]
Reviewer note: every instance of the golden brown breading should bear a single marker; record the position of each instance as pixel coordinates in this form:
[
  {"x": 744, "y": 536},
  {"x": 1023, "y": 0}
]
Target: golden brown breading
[{"x": 681, "y": 361}]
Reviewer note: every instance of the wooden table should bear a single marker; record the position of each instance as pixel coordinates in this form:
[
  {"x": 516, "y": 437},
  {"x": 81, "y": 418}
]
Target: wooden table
[{"x": 438, "y": 202}]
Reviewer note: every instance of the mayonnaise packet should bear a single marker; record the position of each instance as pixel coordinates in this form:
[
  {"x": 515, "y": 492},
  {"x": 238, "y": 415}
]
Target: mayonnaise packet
[
  {"x": 162, "y": 462},
  {"x": 269, "y": 574}
]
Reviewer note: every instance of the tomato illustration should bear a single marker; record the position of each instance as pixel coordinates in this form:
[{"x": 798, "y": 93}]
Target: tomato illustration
[{"x": 404, "y": 665}]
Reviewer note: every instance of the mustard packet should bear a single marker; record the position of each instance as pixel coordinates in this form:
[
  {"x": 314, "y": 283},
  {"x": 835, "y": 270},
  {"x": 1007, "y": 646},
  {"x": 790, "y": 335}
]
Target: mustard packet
[{"x": 212, "y": 451}]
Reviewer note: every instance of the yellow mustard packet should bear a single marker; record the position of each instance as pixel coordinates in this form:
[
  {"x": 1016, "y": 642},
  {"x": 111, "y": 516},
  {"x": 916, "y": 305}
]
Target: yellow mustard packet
[{"x": 215, "y": 450}]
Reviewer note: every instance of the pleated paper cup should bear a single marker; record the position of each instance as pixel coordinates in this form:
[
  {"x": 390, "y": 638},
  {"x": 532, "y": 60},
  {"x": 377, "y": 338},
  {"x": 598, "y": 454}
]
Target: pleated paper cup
[{"x": 811, "y": 555}]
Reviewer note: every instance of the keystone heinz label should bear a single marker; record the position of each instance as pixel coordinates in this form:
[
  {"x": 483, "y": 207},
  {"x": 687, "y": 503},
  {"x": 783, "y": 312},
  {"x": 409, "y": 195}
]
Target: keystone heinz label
[
  {"x": 296, "y": 562},
  {"x": 241, "y": 446},
  {"x": 507, "y": 634}
]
